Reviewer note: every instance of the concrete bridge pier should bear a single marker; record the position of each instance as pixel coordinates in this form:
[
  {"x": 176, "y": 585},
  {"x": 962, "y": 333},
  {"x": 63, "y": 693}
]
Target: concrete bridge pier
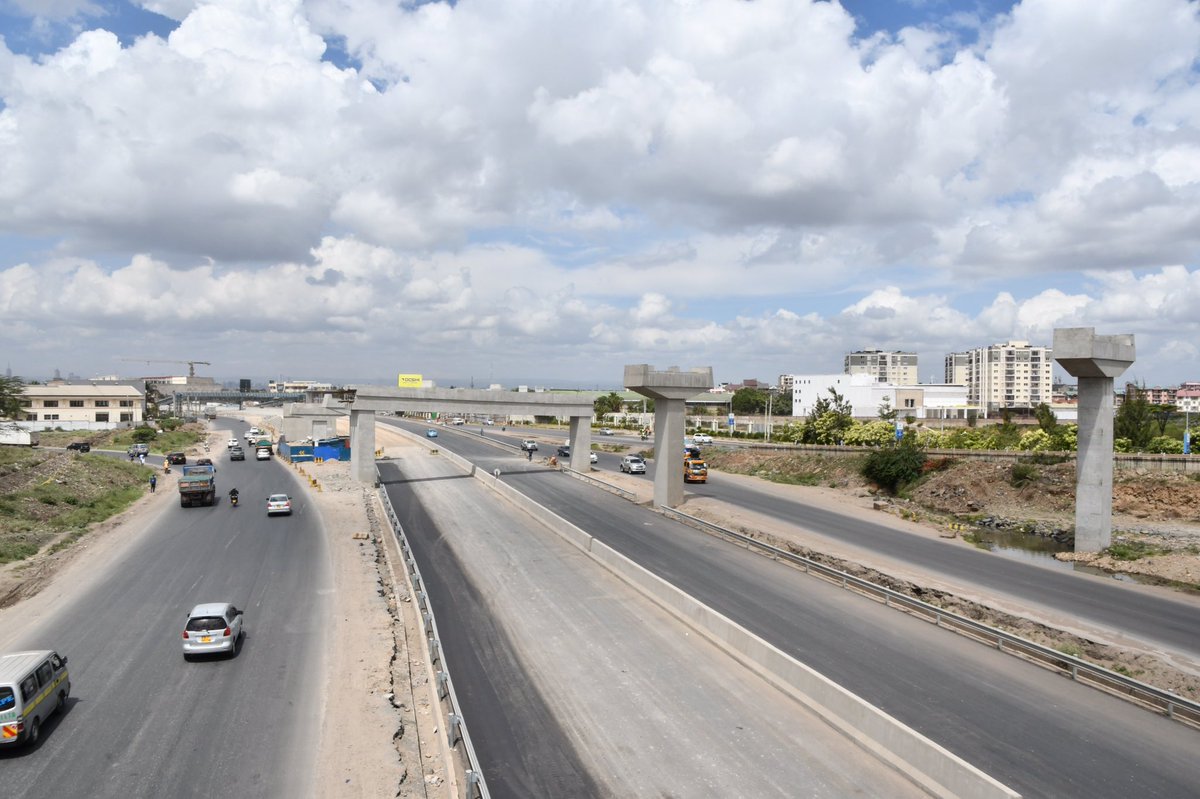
[
  {"x": 362, "y": 446},
  {"x": 1096, "y": 361},
  {"x": 669, "y": 389},
  {"x": 581, "y": 443}
]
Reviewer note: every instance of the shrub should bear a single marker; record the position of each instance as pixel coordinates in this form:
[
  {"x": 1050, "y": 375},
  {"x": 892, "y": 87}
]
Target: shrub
[
  {"x": 1022, "y": 474},
  {"x": 143, "y": 434},
  {"x": 1165, "y": 445},
  {"x": 892, "y": 468}
]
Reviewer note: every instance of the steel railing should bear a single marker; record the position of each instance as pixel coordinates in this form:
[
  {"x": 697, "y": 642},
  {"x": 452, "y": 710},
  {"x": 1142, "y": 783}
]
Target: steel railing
[
  {"x": 1171, "y": 705},
  {"x": 456, "y": 728}
]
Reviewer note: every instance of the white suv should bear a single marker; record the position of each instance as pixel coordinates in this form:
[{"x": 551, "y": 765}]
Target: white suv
[
  {"x": 529, "y": 445},
  {"x": 633, "y": 464}
]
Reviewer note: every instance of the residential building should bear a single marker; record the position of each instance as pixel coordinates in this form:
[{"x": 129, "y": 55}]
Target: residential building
[
  {"x": 1010, "y": 375},
  {"x": 958, "y": 366},
  {"x": 1155, "y": 396},
  {"x": 899, "y": 368},
  {"x": 1187, "y": 398},
  {"x": 81, "y": 407}
]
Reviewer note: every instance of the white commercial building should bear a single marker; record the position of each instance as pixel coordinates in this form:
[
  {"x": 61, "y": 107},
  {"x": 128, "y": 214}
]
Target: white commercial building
[
  {"x": 81, "y": 407},
  {"x": 898, "y": 368},
  {"x": 865, "y": 395}
]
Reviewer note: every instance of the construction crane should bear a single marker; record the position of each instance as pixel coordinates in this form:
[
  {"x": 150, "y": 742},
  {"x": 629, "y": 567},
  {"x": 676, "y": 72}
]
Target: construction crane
[{"x": 191, "y": 364}]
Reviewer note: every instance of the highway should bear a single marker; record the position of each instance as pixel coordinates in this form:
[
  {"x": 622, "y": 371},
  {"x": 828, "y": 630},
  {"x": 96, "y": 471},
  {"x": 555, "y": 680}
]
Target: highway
[
  {"x": 1032, "y": 730},
  {"x": 142, "y": 722},
  {"x": 1158, "y": 618},
  {"x": 574, "y": 685}
]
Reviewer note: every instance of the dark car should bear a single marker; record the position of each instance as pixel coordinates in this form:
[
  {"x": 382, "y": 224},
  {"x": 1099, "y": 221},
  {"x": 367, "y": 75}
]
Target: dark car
[
  {"x": 176, "y": 458},
  {"x": 82, "y": 446},
  {"x": 204, "y": 462},
  {"x": 564, "y": 451},
  {"x": 237, "y": 454}
]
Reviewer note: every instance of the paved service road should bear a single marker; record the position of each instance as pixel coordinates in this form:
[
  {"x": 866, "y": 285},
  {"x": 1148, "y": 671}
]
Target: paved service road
[
  {"x": 1154, "y": 617},
  {"x": 574, "y": 685},
  {"x": 1031, "y": 729},
  {"x": 142, "y": 722}
]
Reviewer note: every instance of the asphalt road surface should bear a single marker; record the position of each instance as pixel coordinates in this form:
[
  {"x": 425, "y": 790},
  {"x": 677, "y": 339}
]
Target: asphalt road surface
[
  {"x": 142, "y": 722},
  {"x": 574, "y": 685},
  {"x": 1029, "y": 728}
]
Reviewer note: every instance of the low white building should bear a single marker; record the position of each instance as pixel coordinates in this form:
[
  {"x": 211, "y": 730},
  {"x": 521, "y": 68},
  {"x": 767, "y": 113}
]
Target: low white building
[
  {"x": 81, "y": 407},
  {"x": 865, "y": 395}
]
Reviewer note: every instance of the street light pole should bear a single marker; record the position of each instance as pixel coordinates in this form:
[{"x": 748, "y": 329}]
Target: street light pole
[{"x": 770, "y": 396}]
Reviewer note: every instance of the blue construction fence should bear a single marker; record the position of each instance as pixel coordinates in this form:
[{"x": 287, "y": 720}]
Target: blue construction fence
[{"x": 323, "y": 449}]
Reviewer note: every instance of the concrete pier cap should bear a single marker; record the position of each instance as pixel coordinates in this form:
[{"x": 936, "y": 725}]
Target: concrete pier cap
[
  {"x": 669, "y": 389},
  {"x": 1096, "y": 361}
]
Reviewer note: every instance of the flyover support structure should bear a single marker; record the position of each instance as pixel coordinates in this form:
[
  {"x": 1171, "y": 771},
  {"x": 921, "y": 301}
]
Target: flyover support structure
[
  {"x": 581, "y": 443},
  {"x": 1096, "y": 361},
  {"x": 669, "y": 389},
  {"x": 362, "y": 445},
  {"x": 363, "y": 401}
]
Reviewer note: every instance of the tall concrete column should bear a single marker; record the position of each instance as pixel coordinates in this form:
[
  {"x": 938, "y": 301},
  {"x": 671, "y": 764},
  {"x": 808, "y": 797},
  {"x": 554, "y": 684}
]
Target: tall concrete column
[
  {"x": 362, "y": 446},
  {"x": 581, "y": 443},
  {"x": 668, "y": 449},
  {"x": 1096, "y": 361},
  {"x": 669, "y": 389}
]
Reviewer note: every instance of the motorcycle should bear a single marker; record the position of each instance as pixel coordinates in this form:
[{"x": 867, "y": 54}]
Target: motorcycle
[{"x": 233, "y": 500}]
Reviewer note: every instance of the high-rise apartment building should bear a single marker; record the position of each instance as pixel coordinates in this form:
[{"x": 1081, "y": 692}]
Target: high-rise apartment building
[
  {"x": 1009, "y": 375},
  {"x": 899, "y": 368},
  {"x": 958, "y": 366}
]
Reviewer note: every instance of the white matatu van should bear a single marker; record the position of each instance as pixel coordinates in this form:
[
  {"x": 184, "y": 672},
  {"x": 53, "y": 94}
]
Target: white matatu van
[{"x": 32, "y": 686}]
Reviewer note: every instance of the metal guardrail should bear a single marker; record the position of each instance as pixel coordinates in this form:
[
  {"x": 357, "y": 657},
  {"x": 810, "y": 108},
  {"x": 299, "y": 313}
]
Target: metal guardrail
[
  {"x": 1171, "y": 705},
  {"x": 476, "y": 785}
]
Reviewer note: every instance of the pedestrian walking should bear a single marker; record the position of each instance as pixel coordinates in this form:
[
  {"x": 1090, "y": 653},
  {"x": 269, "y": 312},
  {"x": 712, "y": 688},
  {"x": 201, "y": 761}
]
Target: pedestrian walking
[
  {"x": 529, "y": 455},
  {"x": 142, "y": 459},
  {"x": 153, "y": 482}
]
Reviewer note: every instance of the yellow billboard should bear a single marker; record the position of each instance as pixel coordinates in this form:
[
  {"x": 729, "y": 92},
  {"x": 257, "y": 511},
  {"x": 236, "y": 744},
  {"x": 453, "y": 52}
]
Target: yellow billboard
[{"x": 409, "y": 381}]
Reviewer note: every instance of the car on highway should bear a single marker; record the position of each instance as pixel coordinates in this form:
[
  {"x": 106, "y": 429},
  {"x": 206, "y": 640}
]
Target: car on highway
[
  {"x": 431, "y": 433},
  {"x": 279, "y": 504},
  {"x": 564, "y": 451},
  {"x": 529, "y": 445},
  {"x": 33, "y": 686},
  {"x": 212, "y": 628},
  {"x": 231, "y": 443},
  {"x": 459, "y": 421},
  {"x": 176, "y": 458},
  {"x": 605, "y": 431},
  {"x": 136, "y": 450},
  {"x": 237, "y": 454},
  {"x": 262, "y": 454},
  {"x": 702, "y": 438},
  {"x": 633, "y": 464},
  {"x": 81, "y": 446},
  {"x": 204, "y": 462}
]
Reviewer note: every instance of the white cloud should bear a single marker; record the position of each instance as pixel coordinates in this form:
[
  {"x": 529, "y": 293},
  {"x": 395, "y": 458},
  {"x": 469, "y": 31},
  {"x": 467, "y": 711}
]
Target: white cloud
[{"x": 754, "y": 182}]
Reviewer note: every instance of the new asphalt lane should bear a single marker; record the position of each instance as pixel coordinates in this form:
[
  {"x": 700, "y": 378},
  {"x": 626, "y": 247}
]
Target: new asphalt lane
[
  {"x": 1033, "y": 730},
  {"x": 142, "y": 722}
]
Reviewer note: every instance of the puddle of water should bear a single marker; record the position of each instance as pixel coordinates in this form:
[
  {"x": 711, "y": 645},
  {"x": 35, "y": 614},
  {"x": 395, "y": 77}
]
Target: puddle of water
[{"x": 1040, "y": 551}]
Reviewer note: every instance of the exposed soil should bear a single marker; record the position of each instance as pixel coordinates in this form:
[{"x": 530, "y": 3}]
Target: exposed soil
[{"x": 1156, "y": 516}]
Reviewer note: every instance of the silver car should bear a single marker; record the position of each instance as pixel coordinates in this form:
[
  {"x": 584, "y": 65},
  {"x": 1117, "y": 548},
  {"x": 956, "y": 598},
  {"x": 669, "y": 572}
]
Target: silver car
[
  {"x": 633, "y": 464},
  {"x": 212, "y": 628}
]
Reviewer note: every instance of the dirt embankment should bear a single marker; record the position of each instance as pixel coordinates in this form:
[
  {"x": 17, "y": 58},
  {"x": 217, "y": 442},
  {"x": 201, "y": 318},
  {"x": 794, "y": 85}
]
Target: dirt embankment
[{"x": 1156, "y": 516}]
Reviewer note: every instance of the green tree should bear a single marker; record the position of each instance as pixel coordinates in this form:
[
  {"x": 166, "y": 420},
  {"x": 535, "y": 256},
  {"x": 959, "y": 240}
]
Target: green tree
[
  {"x": 1162, "y": 417},
  {"x": 1047, "y": 421},
  {"x": 1134, "y": 422},
  {"x": 749, "y": 401},
  {"x": 1165, "y": 445},
  {"x": 886, "y": 412},
  {"x": 11, "y": 389},
  {"x": 143, "y": 434},
  {"x": 829, "y": 420},
  {"x": 608, "y": 403}
]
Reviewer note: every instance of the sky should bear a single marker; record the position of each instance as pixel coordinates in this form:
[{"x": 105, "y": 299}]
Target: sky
[{"x": 517, "y": 191}]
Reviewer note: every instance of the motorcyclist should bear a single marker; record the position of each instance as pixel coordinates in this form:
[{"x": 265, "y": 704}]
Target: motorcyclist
[{"x": 233, "y": 496}]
